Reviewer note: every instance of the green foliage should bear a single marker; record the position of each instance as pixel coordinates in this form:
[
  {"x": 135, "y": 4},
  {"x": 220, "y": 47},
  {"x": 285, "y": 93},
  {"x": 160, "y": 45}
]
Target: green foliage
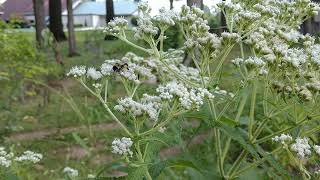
[{"x": 20, "y": 57}]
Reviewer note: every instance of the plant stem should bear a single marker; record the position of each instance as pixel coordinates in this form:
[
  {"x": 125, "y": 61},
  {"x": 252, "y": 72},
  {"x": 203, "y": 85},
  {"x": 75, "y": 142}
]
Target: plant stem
[
  {"x": 104, "y": 103},
  {"x": 134, "y": 45},
  {"x": 252, "y": 109},
  {"x": 254, "y": 164},
  {"x": 240, "y": 110},
  {"x": 141, "y": 159},
  {"x": 218, "y": 151}
]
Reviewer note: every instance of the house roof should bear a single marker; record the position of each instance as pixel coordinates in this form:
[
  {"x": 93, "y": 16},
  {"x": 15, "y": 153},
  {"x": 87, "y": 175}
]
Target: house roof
[
  {"x": 121, "y": 8},
  {"x": 24, "y": 7}
]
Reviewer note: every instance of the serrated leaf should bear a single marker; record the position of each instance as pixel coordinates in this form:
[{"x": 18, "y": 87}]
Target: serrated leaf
[
  {"x": 238, "y": 135},
  {"x": 272, "y": 161},
  {"x": 136, "y": 173},
  {"x": 157, "y": 168}
]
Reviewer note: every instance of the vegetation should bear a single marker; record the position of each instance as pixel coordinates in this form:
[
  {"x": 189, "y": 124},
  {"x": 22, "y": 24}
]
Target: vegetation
[{"x": 245, "y": 107}]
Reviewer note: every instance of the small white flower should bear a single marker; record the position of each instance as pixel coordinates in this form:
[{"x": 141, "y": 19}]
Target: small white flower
[
  {"x": 77, "y": 71},
  {"x": 162, "y": 129},
  {"x": 29, "y": 156},
  {"x": 93, "y": 73},
  {"x": 91, "y": 176},
  {"x": 283, "y": 138},
  {"x": 97, "y": 85},
  {"x": 71, "y": 172},
  {"x": 5, "y": 162},
  {"x": 301, "y": 147},
  {"x": 122, "y": 146}
]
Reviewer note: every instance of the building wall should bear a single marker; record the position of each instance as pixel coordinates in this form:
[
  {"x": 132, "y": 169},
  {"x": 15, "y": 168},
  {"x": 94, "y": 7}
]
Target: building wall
[
  {"x": 89, "y": 20},
  {"x": 85, "y": 20}
]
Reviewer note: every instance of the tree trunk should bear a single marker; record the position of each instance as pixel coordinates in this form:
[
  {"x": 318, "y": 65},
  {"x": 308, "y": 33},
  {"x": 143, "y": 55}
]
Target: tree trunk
[
  {"x": 223, "y": 22},
  {"x": 109, "y": 17},
  {"x": 110, "y": 11},
  {"x": 171, "y": 4},
  {"x": 56, "y": 26},
  {"x": 71, "y": 34},
  {"x": 39, "y": 16},
  {"x": 197, "y": 3}
]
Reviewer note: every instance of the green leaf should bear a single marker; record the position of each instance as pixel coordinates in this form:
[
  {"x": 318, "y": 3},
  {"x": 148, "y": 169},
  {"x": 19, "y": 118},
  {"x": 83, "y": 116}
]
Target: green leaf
[
  {"x": 183, "y": 163},
  {"x": 229, "y": 122},
  {"x": 115, "y": 165},
  {"x": 272, "y": 161},
  {"x": 156, "y": 169},
  {"x": 11, "y": 176},
  {"x": 238, "y": 135},
  {"x": 136, "y": 173}
]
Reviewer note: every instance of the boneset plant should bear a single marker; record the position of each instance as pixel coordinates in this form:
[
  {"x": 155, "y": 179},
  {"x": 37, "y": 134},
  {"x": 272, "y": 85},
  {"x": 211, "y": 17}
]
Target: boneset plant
[
  {"x": 17, "y": 166},
  {"x": 275, "y": 90}
]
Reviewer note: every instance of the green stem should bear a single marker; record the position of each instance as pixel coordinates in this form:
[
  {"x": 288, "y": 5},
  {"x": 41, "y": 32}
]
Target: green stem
[
  {"x": 240, "y": 110},
  {"x": 218, "y": 151},
  {"x": 266, "y": 138},
  {"x": 140, "y": 158},
  {"x": 255, "y": 164},
  {"x": 252, "y": 109},
  {"x": 134, "y": 45},
  {"x": 104, "y": 103},
  {"x": 237, "y": 163}
]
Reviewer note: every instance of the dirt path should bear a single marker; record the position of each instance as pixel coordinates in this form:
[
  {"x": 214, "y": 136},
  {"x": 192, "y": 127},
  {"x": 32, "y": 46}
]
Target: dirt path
[{"x": 41, "y": 134}]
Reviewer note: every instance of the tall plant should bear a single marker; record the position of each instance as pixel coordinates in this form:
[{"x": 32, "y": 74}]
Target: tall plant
[{"x": 275, "y": 92}]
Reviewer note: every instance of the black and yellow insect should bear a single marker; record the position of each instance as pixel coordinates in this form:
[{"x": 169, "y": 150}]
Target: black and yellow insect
[{"x": 119, "y": 67}]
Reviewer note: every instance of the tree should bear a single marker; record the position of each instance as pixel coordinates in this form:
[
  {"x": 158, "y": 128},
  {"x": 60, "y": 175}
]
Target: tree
[
  {"x": 311, "y": 25},
  {"x": 71, "y": 34},
  {"x": 198, "y": 3},
  {"x": 38, "y": 9},
  {"x": 171, "y": 4},
  {"x": 223, "y": 22},
  {"x": 109, "y": 16},
  {"x": 55, "y": 20},
  {"x": 110, "y": 11}
]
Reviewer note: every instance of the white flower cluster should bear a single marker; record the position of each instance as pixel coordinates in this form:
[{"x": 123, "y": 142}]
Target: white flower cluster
[
  {"x": 77, "y": 71},
  {"x": 296, "y": 57},
  {"x": 189, "y": 97},
  {"x": 250, "y": 62},
  {"x": 165, "y": 18},
  {"x": 93, "y": 73},
  {"x": 5, "y": 158},
  {"x": 122, "y": 146},
  {"x": 301, "y": 147},
  {"x": 29, "y": 156},
  {"x": 222, "y": 92},
  {"x": 145, "y": 29},
  {"x": 197, "y": 30},
  {"x": 283, "y": 139},
  {"x": 116, "y": 26},
  {"x": 149, "y": 105},
  {"x": 314, "y": 52},
  {"x": 231, "y": 36},
  {"x": 71, "y": 172},
  {"x": 130, "y": 67}
]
